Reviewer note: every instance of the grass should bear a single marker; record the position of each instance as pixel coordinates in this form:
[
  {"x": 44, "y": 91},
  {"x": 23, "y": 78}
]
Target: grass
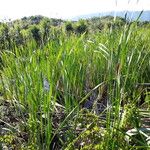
[{"x": 49, "y": 86}]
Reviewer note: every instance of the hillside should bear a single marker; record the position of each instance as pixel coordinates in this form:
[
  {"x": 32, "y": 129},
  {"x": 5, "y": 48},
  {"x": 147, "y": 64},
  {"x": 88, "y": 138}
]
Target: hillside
[
  {"x": 131, "y": 15},
  {"x": 41, "y": 28}
]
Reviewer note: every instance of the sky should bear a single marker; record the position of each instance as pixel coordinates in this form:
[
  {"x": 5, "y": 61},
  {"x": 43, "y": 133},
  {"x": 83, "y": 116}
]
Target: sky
[{"x": 66, "y": 9}]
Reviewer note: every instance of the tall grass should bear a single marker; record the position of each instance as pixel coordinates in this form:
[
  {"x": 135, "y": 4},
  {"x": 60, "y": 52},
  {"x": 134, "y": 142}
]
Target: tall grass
[{"x": 50, "y": 85}]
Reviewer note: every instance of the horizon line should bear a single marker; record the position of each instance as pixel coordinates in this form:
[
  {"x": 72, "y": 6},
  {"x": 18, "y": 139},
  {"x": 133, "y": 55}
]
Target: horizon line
[{"x": 9, "y": 19}]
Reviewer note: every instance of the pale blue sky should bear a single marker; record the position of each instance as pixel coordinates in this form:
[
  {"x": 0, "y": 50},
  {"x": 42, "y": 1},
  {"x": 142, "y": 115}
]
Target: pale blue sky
[{"x": 66, "y": 9}]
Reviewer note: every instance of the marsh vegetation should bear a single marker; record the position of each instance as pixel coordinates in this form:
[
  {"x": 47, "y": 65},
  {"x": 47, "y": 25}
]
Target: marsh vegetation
[{"x": 74, "y": 85}]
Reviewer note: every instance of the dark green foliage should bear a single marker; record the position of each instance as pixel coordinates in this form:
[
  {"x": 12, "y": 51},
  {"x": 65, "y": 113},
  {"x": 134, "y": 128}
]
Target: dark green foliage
[
  {"x": 69, "y": 27},
  {"x": 35, "y": 19},
  {"x": 81, "y": 27},
  {"x": 35, "y": 31}
]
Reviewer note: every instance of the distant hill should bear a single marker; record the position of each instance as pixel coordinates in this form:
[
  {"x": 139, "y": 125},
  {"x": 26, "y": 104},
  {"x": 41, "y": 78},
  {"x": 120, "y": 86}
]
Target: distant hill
[
  {"x": 131, "y": 15},
  {"x": 39, "y": 18}
]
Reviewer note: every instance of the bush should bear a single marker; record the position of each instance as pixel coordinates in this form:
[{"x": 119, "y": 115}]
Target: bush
[
  {"x": 69, "y": 27},
  {"x": 35, "y": 31},
  {"x": 81, "y": 27}
]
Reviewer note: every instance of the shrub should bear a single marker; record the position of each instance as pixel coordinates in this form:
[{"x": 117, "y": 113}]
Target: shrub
[
  {"x": 81, "y": 27},
  {"x": 69, "y": 27}
]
